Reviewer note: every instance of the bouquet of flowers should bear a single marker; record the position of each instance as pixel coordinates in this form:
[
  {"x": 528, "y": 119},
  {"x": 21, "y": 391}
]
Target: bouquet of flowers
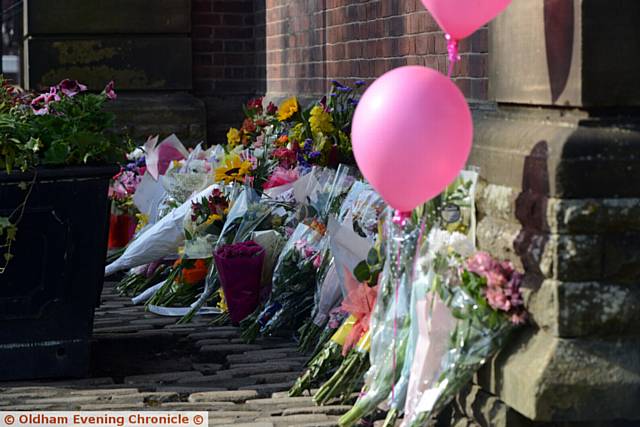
[
  {"x": 183, "y": 284},
  {"x": 203, "y": 226},
  {"x": 293, "y": 283},
  {"x": 160, "y": 240},
  {"x": 141, "y": 278},
  {"x": 324, "y": 362},
  {"x": 360, "y": 292},
  {"x": 485, "y": 303},
  {"x": 239, "y": 269},
  {"x": 454, "y": 210},
  {"x": 390, "y": 322}
]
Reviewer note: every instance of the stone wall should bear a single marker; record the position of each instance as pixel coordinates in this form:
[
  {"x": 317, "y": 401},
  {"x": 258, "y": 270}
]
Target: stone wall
[
  {"x": 144, "y": 46},
  {"x": 560, "y": 158}
]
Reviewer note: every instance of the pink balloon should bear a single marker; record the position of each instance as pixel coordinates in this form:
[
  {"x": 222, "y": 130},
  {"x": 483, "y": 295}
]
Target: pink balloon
[
  {"x": 411, "y": 135},
  {"x": 461, "y": 18}
]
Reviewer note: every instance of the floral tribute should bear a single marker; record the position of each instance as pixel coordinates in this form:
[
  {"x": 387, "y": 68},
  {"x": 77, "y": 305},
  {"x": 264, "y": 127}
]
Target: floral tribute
[{"x": 276, "y": 231}]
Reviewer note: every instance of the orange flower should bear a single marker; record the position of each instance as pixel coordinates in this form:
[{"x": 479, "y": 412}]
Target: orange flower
[
  {"x": 193, "y": 274},
  {"x": 282, "y": 141}
]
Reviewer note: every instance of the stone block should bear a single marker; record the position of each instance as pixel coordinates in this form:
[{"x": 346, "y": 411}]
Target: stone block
[
  {"x": 142, "y": 115},
  {"x": 551, "y": 53},
  {"x": 107, "y": 17},
  {"x": 134, "y": 63},
  {"x": 580, "y": 309},
  {"x": 547, "y": 378},
  {"x": 557, "y": 154},
  {"x": 237, "y": 396}
]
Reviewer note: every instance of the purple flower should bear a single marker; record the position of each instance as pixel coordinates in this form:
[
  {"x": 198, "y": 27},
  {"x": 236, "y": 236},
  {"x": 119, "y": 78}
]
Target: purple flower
[
  {"x": 360, "y": 83},
  {"x": 109, "y": 91},
  {"x": 337, "y": 83},
  {"x": 70, "y": 87},
  {"x": 345, "y": 89}
]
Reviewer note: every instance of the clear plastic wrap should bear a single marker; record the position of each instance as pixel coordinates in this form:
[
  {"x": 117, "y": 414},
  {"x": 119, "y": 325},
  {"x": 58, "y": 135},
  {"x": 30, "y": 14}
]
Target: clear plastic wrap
[
  {"x": 390, "y": 321},
  {"x": 159, "y": 241},
  {"x": 293, "y": 285}
]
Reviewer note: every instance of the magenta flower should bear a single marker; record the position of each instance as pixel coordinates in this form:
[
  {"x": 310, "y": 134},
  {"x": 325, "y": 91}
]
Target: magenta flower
[
  {"x": 240, "y": 250},
  {"x": 70, "y": 87},
  {"x": 317, "y": 261},
  {"x": 503, "y": 285},
  {"x": 272, "y": 109},
  {"x": 109, "y": 91},
  {"x": 497, "y": 298},
  {"x": 40, "y": 105}
]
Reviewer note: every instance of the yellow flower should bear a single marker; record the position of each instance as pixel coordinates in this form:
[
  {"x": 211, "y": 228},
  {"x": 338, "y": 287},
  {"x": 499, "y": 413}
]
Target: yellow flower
[
  {"x": 142, "y": 221},
  {"x": 320, "y": 120},
  {"x": 213, "y": 218},
  {"x": 233, "y": 169},
  {"x": 287, "y": 109},
  {"x": 297, "y": 132},
  {"x": 222, "y": 304},
  {"x": 233, "y": 137}
]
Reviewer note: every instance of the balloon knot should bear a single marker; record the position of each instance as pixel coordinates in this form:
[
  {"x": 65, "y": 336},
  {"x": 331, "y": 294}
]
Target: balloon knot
[{"x": 401, "y": 218}]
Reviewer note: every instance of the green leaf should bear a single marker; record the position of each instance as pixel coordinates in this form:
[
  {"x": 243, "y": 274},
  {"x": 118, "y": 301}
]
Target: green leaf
[
  {"x": 372, "y": 257},
  {"x": 8, "y": 256},
  {"x": 56, "y": 154},
  {"x": 11, "y": 233},
  {"x": 362, "y": 272}
]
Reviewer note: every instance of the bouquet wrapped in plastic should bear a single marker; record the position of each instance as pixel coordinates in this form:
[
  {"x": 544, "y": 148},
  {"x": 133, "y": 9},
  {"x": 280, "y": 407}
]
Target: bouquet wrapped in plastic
[
  {"x": 240, "y": 269},
  {"x": 390, "y": 322},
  {"x": 293, "y": 284},
  {"x": 453, "y": 210},
  {"x": 141, "y": 278},
  {"x": 159, "y": 241},
  {"x": 183, "y": 284},
  {"x": 485, "y": 303}
]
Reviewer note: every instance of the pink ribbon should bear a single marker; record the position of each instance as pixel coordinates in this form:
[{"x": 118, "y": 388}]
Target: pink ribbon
[
  {"x": 453, "y": 47},
  {"x": 401, "y": 218}
]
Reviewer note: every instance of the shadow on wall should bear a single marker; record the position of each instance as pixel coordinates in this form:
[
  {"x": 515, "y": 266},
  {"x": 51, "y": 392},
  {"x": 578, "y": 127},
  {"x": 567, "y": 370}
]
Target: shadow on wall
[
  {"x": 531, "y": 208},
  {"x": 558, "y": 31}
]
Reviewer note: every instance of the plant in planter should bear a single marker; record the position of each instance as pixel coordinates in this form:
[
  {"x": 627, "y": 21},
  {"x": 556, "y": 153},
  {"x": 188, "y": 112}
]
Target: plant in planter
[{"x": 57, "y": 153}]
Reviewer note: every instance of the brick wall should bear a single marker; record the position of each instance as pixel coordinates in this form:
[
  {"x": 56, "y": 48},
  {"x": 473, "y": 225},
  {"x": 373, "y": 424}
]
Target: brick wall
[
  {"x": 281, "y": 47},
  {"x": 229, "y": 58},
  {"x": 311, "y": 42}
]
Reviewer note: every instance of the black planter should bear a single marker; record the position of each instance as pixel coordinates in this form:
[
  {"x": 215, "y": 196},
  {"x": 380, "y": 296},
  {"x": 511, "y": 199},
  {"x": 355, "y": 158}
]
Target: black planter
[{"x": 51, "y": 287}]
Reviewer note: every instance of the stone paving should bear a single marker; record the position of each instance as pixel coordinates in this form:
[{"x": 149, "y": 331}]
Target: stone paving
[{"x": 141, "y": 361}]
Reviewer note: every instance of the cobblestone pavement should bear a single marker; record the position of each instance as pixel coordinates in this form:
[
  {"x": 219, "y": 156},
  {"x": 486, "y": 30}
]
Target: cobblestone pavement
[{"x": 141, "y": 361}]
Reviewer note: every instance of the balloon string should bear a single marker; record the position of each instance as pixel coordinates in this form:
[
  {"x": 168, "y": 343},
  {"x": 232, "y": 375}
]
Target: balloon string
[
  {"x": 395, "y": 318},
  {"x": 453, "y": 48},
  {"x": 400, "y": 219}
]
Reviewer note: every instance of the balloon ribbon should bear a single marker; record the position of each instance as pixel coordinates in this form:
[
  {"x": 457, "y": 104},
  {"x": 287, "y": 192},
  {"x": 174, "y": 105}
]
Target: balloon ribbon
[{"x": 453, "y": 48}]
